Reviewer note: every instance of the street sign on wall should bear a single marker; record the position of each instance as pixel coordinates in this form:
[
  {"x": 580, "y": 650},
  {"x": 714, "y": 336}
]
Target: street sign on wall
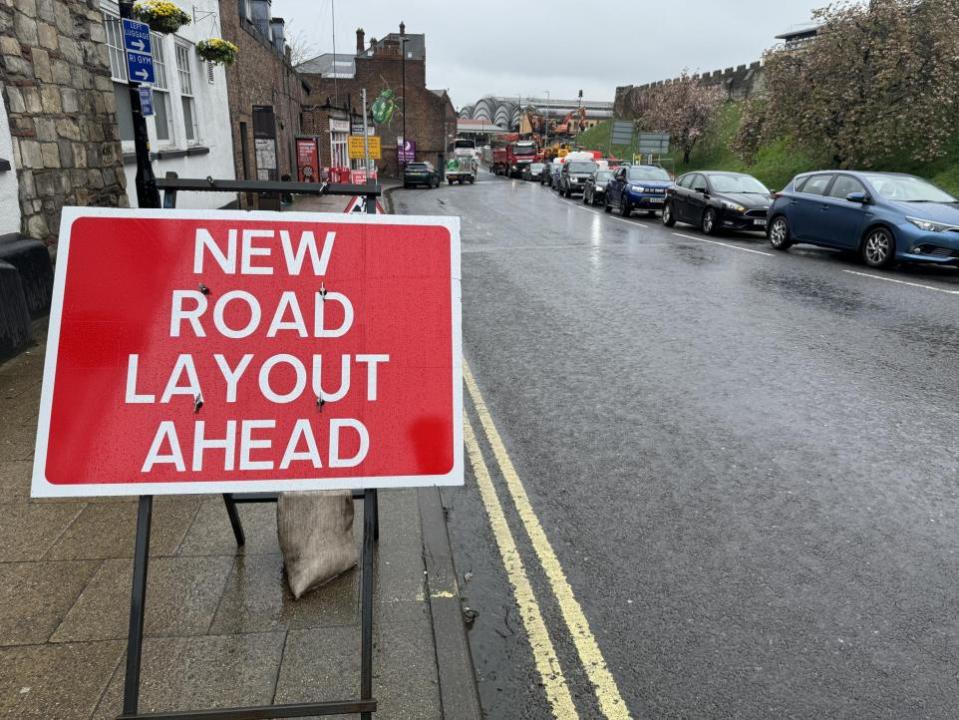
[
  {"x": 271, "y": 353},
  {"x": 358, "y": 148},
  {"x": 405, "y": 150},
  {"x": 307, "y": 160}
]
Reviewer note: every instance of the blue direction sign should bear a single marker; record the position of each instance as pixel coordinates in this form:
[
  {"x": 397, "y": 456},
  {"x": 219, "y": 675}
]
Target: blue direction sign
[
  {"x": 146, "y": 100},
  {"x": 140, "y": 68},
  {"x": 136, "y": 40},
  {"x": 136, "y": 37}
]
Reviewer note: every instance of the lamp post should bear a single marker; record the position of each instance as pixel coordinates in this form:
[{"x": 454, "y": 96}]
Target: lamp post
[
  {"x": 403, "y": 40},
  {"x": 546, "y": 138},
  {"x": 148, "y": 196}
]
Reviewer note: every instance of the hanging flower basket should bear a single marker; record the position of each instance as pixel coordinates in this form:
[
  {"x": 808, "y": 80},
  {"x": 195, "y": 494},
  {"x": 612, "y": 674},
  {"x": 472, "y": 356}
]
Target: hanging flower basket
[
  {"x": 161, "y": 15},
  {"x": 217, "y": 50}
]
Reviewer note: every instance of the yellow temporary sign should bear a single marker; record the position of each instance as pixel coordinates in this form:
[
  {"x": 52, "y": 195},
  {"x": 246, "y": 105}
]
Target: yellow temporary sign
[{"x": 358, "y": 149}]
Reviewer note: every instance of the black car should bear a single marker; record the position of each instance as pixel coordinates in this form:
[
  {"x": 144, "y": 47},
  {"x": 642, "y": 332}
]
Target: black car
[
  {"x": 595, "y": 191},
  {"x": 714, "y": 201},
  {"x": 420, "y": 173},
  {"x": 534, "y": 171},
  {"x": 575, "y": 175}
]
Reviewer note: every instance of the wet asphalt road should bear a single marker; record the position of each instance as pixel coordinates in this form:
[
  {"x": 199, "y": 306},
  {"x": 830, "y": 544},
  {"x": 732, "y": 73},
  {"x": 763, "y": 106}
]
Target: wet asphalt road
[{"x": 745, "y": 462}]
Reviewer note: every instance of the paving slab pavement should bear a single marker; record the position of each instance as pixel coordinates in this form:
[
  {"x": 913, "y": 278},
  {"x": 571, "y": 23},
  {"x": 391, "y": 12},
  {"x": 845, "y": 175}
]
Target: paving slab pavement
[{"x": 222, "y": 628}]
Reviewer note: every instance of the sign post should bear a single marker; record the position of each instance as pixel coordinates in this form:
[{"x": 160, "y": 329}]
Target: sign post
[
  {"x": 139, "y": 51},
  {"x": 274, "y": 353}
]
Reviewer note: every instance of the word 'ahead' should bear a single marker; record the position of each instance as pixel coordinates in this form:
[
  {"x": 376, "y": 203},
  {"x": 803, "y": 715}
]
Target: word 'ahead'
[{"x": 211, "y": 352}]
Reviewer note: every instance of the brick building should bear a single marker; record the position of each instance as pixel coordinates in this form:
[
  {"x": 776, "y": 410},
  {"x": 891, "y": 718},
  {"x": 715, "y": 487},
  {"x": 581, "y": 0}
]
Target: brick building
[
  {"x": 336, "y": 83},
  {"x": 265, "y": 92}
]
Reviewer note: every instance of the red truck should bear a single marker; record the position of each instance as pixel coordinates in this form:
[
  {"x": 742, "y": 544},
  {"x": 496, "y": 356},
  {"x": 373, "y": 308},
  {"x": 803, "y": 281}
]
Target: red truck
[{"x": 513, "y": 158}]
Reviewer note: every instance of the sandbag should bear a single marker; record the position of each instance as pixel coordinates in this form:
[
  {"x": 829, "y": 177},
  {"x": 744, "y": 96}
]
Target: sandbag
[{"x": 315, "y": 530}]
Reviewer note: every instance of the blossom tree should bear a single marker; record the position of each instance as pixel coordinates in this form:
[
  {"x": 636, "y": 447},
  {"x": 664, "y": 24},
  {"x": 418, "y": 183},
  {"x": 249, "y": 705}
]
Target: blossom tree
[
  {"x": 684, "y": 108},
  {"x": 880, "y": 78}
]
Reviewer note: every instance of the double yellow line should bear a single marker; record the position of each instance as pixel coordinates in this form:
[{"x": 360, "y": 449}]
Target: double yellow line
[{"x": 544, "y": 654}]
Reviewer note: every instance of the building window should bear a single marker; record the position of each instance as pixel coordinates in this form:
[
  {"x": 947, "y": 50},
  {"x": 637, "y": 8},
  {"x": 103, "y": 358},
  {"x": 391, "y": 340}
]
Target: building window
[
  {"x": 118, "y": 73},
  {"x": 183, "y": 66},
  {"x": 161, "y": 90},
  {"x": 118, "y": 65}
]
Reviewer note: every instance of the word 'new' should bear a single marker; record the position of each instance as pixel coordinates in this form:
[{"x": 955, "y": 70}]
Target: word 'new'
[{"x": 243, "y": 256}]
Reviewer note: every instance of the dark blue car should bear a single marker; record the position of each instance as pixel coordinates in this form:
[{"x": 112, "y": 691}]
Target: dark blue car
[
  {"x": 637, "y": 187},
  {"x": 885, "y": 217}
]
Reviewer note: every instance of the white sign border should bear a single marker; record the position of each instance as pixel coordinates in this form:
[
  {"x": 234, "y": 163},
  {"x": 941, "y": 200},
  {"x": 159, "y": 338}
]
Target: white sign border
[{"x": 42, "y": 488}]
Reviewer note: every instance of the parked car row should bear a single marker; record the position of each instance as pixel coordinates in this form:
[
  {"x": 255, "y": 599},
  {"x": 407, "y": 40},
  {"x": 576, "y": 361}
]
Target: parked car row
[{"x": 883, "y": 217}]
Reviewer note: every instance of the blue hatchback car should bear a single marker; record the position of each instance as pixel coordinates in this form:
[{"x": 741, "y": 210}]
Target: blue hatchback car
[
  {"x": 637, "y": 187},
  {"x": 885, "y": 217}
]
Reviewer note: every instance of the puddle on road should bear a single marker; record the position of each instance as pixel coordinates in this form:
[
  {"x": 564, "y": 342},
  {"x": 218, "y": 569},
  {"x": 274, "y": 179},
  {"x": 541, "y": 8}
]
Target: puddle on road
[{"x": 813, "y": 290}]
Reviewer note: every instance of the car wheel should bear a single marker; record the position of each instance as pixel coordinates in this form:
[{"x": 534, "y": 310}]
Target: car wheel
[
  {"x": 607, "y": 208},
  {"x": 709, "y": 222},
  {"x": 624, "y": 209},
  {"x": 668, "y": 219},
  {"x": 651, "y": 213},
  {"x": 879, "y": 248},
  {"x": 779, "y": 235}
]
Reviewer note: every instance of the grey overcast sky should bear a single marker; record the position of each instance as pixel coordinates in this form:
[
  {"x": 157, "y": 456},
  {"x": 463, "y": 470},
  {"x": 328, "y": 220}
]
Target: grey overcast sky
[{"x": 512, "y": 48}]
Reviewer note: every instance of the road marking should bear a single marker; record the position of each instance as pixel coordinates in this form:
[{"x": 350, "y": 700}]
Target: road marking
[
  {"x": 544, "y": 654},
  {"x": 607, "y": 693},
  {"x": 902, "y": 282},
  {"x": 726, "y": 245}
]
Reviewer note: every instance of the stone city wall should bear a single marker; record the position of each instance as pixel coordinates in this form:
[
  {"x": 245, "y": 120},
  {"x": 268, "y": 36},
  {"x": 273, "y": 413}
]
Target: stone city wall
[
  {"x": 61, "y": 108},
  {"x": 739, "y": 82}
]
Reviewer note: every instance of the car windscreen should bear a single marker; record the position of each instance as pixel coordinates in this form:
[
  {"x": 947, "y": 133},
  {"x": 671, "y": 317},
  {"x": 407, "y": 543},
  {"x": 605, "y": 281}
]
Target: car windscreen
[
  {"x": 604, "y": 176},
  {"x": 536, "y": 166},
  {"x": 582, "y": 167},
  {"x": 906, "y": 188},
  {"x": 417, "y": 166},
  {"x": 647, "y": 173},
  {"x": 737, "y": 184},
  {"x": 527, "y": 150}
]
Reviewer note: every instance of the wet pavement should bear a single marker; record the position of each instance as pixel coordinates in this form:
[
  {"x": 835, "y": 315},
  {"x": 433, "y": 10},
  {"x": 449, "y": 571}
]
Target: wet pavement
[
  {"x": 221, "y": 629},
  {"x": 744, "y": 460}
]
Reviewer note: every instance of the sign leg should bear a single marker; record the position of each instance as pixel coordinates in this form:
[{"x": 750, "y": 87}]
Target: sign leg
[
  {"x": 375, "y": 512},
  {"x": 234, "y": 519},
  {"x": 141, "y": 557},
  {"x": 366, "y": 618}
]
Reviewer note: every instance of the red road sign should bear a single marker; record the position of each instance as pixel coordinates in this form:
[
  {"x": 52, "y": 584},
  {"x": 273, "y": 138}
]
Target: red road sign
[
  {"x": 209, "y": 352},
  {"x": 357, "y": 204}
]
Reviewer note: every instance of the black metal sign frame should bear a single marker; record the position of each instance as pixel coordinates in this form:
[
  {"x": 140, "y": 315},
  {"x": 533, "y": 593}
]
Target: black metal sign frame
[{"x": 366, "y": 705}]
